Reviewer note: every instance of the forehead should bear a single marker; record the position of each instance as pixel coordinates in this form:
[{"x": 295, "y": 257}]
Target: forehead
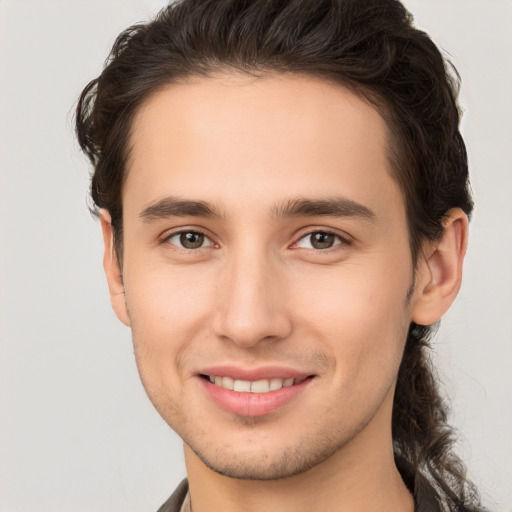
[{"x": 231, "y": 139}]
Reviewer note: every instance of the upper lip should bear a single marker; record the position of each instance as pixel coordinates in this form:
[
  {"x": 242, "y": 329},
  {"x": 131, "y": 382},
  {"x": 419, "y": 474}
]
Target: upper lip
[{"x": 254, "y": 374}]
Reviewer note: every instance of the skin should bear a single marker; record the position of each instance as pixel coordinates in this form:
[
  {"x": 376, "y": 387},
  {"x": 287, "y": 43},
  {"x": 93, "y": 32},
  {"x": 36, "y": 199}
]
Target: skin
[{"x": 258, "y": 293}]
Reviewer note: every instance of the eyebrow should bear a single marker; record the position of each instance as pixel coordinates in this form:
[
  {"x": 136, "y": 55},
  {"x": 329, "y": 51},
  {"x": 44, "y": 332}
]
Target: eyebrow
[
  {"x": 332, "y": 207},
  {"x": 175, "y": 207},
  {"x": 299, "y": 207}
]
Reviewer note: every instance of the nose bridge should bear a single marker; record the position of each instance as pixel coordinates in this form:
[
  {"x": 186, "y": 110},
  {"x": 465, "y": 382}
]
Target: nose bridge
[{"x": 251, "y": 304}]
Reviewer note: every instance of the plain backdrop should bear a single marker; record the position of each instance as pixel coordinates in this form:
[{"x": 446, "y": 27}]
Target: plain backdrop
[{"x": 76, "y": 430}]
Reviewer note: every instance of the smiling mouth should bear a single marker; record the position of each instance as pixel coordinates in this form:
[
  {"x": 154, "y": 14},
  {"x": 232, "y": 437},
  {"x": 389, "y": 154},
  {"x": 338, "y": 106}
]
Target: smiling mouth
[{"x": 255, "y": 386}]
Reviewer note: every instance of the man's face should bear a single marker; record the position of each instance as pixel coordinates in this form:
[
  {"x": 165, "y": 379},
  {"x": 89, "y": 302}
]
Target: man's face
[{"x": 266, "y": 248}]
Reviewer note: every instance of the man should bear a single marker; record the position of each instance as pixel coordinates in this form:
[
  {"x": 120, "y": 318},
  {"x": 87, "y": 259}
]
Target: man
[{"x": 283, "y": 194}]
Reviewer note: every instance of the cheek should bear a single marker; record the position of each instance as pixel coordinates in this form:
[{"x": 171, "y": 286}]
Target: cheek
[
  {"x": 360, "y": 313},
  {"x": 164, "y": 296},
  {"x": 168, "y": 313}
]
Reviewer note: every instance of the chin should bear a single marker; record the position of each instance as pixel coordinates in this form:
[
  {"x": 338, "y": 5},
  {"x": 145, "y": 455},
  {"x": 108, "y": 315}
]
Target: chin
[
  {"x": 259, "y": 468},
  {"x": 270, "y": 463}
]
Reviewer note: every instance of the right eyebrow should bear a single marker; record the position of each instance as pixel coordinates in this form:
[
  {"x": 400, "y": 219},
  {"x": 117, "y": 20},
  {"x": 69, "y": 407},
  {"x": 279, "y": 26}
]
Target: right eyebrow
[
  {"x": 176, "y": 207},
  {"x": 332, "y": 207}
]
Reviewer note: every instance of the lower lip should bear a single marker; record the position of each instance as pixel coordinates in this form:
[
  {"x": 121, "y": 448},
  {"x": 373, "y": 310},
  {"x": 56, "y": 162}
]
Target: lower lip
[{"x": 253, "y": 404}]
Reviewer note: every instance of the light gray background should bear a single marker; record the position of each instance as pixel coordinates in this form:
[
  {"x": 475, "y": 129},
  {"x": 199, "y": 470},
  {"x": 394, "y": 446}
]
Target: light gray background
[{"x": 76, "y": 430}]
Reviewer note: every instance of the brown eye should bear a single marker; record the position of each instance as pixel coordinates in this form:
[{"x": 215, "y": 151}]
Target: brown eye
[
  {"x": 319, "y": 240},
  {"x": 322, "y": 240},
  {"x": 191, "y": 240}
]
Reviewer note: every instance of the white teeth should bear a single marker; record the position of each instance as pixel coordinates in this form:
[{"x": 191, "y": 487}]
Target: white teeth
[
  {"x": 260, "y": 386},
  {"x": 242, "y": 385},
  {"x": 257, "y": 386},
  {"x": 276, "y": 384},
  {"x": 228, "y": 382}
]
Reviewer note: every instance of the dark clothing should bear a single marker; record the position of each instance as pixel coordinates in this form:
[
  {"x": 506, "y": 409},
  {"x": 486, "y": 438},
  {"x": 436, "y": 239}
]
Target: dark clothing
[
  {"x": 173, "y": 504},
  {"x": 425, "y": 497},
  {"x": 424, "y": 500}
]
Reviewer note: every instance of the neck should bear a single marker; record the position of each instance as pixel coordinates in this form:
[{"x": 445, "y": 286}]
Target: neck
[{"x": 360, "y": 476}]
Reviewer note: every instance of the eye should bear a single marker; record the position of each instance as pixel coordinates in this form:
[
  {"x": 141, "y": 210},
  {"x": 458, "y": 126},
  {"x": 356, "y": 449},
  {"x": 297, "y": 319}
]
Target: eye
[
  {"x": 320, "y": 240},
  {"x": 189, "y": 240}
]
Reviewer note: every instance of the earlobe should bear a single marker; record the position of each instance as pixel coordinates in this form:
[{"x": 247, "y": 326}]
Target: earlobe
[
  {"x": 112, "y": 270},
  {"x": 439, "y": 274}
]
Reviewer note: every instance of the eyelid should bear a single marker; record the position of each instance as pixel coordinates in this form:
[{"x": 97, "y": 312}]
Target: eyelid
[
  {"x": 167, "y": 235},
  {"x": 344, "y": 237}
]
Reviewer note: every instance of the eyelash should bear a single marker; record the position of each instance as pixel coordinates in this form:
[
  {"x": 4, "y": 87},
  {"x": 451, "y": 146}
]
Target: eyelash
[
  {"x": 165, "y": 239},
  {"x": 340, "y": 240}
]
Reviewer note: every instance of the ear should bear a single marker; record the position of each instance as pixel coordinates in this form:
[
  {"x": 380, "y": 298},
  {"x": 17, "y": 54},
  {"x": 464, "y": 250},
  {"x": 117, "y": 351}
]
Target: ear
[
  {"x": 112, "y": 270},
  {"x": 439, "y": 272}
]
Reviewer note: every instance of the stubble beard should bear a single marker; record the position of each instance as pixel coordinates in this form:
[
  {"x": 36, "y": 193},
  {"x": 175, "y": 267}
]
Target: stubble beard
[
  {"x": 307, "y": 453},
  {"x": 272, "y": 464}
]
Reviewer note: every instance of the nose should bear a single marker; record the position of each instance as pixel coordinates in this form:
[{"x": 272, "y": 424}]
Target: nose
[{"x": 252, "y": 306}]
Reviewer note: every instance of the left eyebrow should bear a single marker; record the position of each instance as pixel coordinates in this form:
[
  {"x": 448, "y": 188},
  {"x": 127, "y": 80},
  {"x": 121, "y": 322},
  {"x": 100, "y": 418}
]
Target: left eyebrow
[
  {"x": 176, "y": 207},
  {"x": 332, "y": 207}
]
